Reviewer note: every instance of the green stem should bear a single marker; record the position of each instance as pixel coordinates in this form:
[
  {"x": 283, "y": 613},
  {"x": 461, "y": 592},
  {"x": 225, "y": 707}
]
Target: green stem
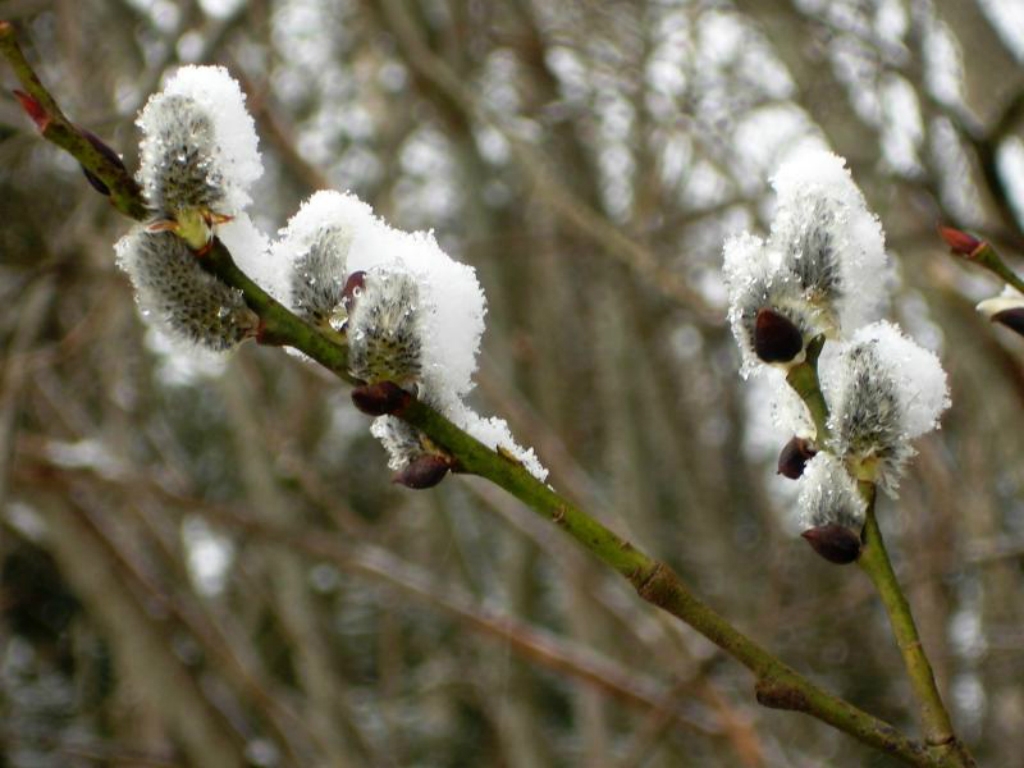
[
  {"x": 874, "y": 560},
  {"x": 278, "y": 325},
  {"x": 778, "y": 685},
  {"x": 55, "y": 127},
  {"x": 803, "y": 378},
  {"x": 988, "y": 257}
]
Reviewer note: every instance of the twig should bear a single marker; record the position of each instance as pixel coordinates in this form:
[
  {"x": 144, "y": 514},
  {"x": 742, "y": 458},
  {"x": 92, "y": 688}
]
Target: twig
[{"x": 874, "y": 561}]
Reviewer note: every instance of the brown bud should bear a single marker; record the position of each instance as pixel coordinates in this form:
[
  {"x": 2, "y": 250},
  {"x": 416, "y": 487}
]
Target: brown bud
[
  {"x": 382, "y": 398},
  {"x": 104, "y": 149},
  {"x": 353, "y": 287},
  {"x": 425, "y": 472},
  {"x": 1011, "y": 318},
  {"x": 794, "y": 457},
  {"x": 836, "y": 543},
  {"x": 776, "y": 337},
  {"x": 960, "y": 242}
]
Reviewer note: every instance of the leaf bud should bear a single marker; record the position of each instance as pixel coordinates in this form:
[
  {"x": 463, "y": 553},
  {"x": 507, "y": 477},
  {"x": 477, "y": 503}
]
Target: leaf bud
[
  {"x": 777, "y": 339},
  {"x": 424, "y": 472},
  {"x": 836, "y": 543},
  {"x": 794, "y": 457}
]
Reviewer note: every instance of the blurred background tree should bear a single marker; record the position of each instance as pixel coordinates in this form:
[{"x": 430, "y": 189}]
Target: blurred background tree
[{"x": 203, "y": 562}]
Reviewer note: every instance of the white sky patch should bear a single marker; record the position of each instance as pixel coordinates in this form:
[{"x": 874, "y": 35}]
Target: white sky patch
[
  {"x": 209, "y": 555},
  {"x": 220, "y": 9},
  {"x": 1007, "y": 17},
  {"x": 903, "y": 130},
  {"x": 1010, "y": 159},
  {"x": 763, "y": 136},
  {"x": 88, "y": 453},
  {"x": 943, "y": 65}
]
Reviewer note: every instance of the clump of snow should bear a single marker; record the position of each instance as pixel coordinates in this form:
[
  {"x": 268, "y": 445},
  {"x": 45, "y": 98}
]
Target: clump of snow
[
  {"x": 829, "y": 495},
  {"x": 249, "y": 248},
  {"x": 200, "y": 147},
  {"x": 495, "y": 433}
]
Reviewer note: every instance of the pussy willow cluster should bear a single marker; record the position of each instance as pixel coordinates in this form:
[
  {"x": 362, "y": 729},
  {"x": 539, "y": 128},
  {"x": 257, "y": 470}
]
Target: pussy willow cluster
[
  {"x": 410, "y": 316},
  {"x": 804, "y": 297}
]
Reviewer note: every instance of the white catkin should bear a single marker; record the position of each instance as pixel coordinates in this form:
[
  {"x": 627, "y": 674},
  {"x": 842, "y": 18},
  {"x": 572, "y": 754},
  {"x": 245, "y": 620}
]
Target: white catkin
[
  {"x": 883, "y": 390},
  {"x": 829, "y": 495},
  {"x": 385, "y": 330},
  {"x": 176, "y": 294},
  {"x": 199, "y": 147}
]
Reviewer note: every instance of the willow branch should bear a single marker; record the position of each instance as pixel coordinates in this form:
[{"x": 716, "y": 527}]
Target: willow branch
[
  {"x": 874, "y": 561},
  {"x": 778, "y": 685}
]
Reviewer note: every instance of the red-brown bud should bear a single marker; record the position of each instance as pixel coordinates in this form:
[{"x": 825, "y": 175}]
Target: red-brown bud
[
  {"x": 380, "y": 399},
  {"x": 34, "y": 109},
  {"x": 960, "y": 242},
  {"x": 425, "y": 472},
  {"x": 836, "y": 543},
  {"x": 353, "y": 287},
  {"x": 776, "y": 337},
  {"x": 794, "y": 457}
]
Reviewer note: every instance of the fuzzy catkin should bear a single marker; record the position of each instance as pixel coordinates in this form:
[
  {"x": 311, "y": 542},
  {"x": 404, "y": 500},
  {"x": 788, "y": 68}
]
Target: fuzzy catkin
[
  {"x": 174, "y": 292},
  {"x": 384, "y": 330},
  {"x": 829, "y": 496},
  {"x": 179, "y": 170},
  {"x": 318, "y": 277}
]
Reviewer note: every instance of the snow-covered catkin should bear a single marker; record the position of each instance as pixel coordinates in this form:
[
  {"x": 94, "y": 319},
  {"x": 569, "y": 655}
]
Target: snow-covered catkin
[
  {"x": 198, "y": 154},
  {"x": 822, "y": 269},
  {"x": 179, "y": 172},
  {"x": 760, "y": 286},
  {"x": 384, "y": 329},
  {"x": 829, "y": 496},
  {"x": 810, "y": 245},
  {"x": 832, "y": 511},
  {"x": 404, "y": 444},
  {"x": 883, "y": 391},
  {"x": 175, "y": 293},
  {"x": 318, "y": 278}
]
